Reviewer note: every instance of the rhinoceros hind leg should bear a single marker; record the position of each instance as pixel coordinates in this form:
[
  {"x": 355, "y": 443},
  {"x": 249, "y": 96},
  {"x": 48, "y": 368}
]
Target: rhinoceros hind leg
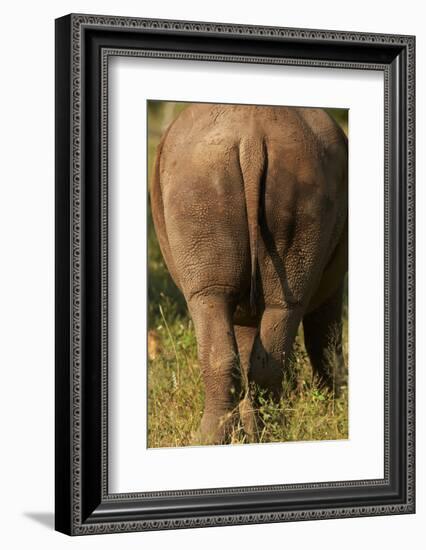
[
  {"x": 245, "y": 336},
  {"x": 323, "y": 340},
  {"x": 218, "y": 356},
  {"x": 271, "y": 354}
]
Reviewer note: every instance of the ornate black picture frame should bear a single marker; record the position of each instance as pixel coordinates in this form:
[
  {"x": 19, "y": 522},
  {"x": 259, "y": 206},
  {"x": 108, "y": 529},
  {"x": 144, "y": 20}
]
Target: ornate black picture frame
[{"x": 83, "y": 45}]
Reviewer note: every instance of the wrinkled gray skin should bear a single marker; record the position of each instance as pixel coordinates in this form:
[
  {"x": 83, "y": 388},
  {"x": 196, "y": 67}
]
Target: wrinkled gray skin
[{"x": 250, "y": 209}]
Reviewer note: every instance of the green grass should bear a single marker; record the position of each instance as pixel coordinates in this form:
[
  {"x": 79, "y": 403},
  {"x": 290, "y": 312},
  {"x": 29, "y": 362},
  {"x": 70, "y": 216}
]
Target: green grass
[
  {"x": 175, "y": 388},
  {"x": 176, "y": 393}
]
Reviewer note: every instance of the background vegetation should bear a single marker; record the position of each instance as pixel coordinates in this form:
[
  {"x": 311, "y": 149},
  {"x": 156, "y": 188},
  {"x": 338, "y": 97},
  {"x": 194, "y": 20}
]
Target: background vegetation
[{"x": 175, "y": 389}]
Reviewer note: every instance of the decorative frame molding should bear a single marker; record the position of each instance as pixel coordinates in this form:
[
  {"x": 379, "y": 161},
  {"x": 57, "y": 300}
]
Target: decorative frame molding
[{"x": 84, "y": 43}]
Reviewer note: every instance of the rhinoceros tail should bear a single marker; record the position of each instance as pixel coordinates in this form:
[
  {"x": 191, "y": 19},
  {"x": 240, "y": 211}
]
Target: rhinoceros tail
[{"x": 253, "y": 161}]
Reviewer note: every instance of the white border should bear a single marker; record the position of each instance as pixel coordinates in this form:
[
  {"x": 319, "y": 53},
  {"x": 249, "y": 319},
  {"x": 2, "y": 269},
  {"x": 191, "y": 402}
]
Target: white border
[{"x": 133, "y": 467}]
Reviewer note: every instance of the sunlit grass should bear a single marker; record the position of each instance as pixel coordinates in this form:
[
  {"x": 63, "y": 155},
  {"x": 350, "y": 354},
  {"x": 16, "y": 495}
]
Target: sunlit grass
[{"x": 176, "y": 394}]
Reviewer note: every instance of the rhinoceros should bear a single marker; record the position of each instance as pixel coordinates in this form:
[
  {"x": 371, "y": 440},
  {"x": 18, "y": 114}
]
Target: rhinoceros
[{"x": 249, "y": 205}]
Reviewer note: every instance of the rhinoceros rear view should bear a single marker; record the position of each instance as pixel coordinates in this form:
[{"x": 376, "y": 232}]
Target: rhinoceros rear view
[{"x": 250, "y": 209}]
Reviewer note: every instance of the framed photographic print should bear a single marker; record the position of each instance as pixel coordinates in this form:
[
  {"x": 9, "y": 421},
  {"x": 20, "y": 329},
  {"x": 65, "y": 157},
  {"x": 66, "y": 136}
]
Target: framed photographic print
[{"x": 234, "y": 274}]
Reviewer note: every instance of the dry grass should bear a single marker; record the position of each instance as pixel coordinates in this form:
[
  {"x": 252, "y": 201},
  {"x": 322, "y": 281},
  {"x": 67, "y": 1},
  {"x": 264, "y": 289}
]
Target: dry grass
[{"x": 176, "y": 395}]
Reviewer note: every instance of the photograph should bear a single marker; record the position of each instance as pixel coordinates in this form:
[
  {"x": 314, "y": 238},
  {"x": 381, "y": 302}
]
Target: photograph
[
  {"x": 234, "y": 256},
  {"x": 247, "y": 274}
]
